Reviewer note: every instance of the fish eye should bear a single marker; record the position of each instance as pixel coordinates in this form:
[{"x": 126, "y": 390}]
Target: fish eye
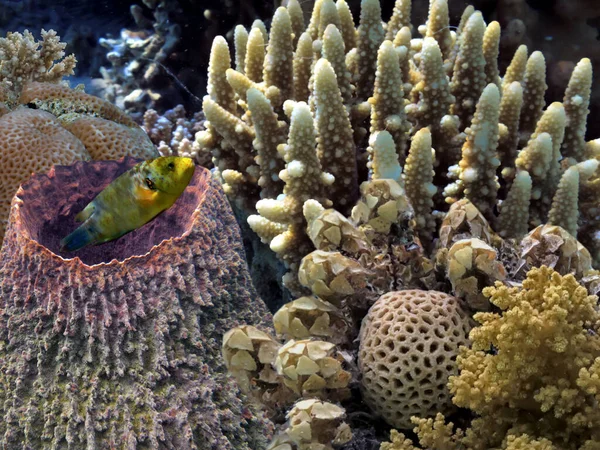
[
  {"x": 150, "y": 184},
  {"x": 171, "y": 165}
]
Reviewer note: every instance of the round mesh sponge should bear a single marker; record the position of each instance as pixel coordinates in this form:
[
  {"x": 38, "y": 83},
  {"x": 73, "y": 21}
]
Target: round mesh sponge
[{"x": 408, "y": 346}]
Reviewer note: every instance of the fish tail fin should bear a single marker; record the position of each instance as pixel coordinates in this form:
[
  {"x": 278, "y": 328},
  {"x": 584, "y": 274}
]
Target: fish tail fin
[{"x": 76, "y": 240}]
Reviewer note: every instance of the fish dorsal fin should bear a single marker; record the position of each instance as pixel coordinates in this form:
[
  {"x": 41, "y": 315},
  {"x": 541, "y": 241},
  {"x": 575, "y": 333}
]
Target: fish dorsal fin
[{"x": 86, "y": 213}]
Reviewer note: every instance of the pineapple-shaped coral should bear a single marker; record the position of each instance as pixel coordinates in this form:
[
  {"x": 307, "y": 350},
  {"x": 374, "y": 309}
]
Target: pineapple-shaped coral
[
  {"x": 311, "y": 367},
  {"x": 308, "y": 317}
]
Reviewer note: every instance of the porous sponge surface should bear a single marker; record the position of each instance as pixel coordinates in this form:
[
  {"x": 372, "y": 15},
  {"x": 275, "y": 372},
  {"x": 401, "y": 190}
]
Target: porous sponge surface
[{"x": 409, "y": 341}]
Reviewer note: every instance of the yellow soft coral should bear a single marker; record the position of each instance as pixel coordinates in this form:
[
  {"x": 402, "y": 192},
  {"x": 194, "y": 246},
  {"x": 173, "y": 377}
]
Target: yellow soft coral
[
  {"x": 532, "y": 373},
  {"x": 536, "y": 379}
]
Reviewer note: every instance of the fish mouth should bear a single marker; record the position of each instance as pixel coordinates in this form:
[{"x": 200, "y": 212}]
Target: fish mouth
[{"x": 187, "y": 164}]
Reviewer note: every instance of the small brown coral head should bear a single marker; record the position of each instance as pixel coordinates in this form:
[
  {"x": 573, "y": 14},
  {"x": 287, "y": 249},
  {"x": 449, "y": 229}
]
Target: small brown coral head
[{"x": 46, "y": 207}]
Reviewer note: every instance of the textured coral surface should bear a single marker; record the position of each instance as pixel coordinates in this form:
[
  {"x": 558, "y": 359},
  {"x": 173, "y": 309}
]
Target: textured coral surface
[
  {"x": 409, "y": 342},
  {"x": 31, "y": 141},
  {"x": 123, "y": 354}
]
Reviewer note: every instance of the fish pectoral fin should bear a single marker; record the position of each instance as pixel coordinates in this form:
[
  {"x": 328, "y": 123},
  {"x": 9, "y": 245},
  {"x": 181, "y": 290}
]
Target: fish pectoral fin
[{"x": 86, "y": 213}]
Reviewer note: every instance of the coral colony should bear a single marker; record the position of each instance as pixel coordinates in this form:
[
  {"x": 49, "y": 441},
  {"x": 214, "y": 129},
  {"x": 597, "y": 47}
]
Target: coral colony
[
  {"x": 439, "y": 225},
  {"x": 455, "y": 153}
]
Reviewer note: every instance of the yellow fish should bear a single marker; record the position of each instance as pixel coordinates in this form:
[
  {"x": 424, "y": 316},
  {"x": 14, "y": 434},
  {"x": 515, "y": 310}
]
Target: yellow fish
[{"x": 130, "y": 201}]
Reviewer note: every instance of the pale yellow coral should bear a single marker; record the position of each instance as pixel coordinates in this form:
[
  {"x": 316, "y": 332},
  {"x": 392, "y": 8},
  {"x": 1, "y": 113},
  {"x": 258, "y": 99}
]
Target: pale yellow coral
[
  {"x": 269, "y": 134},
  {"x": 477, "y": 177},
  {"x": 491, "y": 42},
  {"x": 23, "y": 59},
  {"x": 576, "y": 102},
  {"x": 296, "y": 19},
  {"x": 469, "y": 78},
  {"x": 278, "y": 66},
  {"x": 400, "y": 18},
  {"x": 438, "y": 26},
  {"x": 240, "y": 41},
  {"x": 514, "y": 214},
  {"x": 516, "y": 69},
  {"x": 335, "y": 147},
  {"x": 370, "y": 36},
  {"x": 565, "y": 208},
  {"x": 542, "y": 343},
  {"x": 302, "y": 67},
  {"x": 418, "y": 182},
  {"x": 384, "y": 159},
  {"x": 328, "y": 15},
  {"x": 534, "y": 88},
  {"x": 387, "y": 102},
  {"x": 334, "y": 52},
  {"x": 433, "y": 91},
  {"x": 255, "y": 55},
  {"x": 346, "y": 24},
  {"x": 510, "y": 111},
  {"x": 218, "y": 88},
  {"x": 303, "y": 180}
]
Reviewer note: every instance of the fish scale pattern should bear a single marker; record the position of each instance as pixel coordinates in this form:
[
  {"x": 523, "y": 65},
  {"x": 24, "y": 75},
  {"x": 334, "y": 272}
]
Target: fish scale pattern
[{"x": 118, "y": 348}]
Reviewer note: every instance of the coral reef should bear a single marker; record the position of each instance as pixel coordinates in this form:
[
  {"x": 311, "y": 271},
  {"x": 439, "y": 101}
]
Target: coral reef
[
  {"x": 173, "y": 133},
  {"x": 396, "y": 161},
  {"x": 23, "y": 59},
  {"x": 43, "y": 123},
  {"x": 538, "y": 387},
  {"x": 80, "y": 25},
  {"x": 115, "y": 347}
]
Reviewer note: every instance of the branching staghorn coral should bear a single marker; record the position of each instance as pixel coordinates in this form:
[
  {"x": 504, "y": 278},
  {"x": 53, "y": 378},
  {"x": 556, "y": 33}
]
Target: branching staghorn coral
[
  {"x": 23, "y": 59},
  {"x": 477, "y": 168},
  {"x": 281, "y": 222},
  {"x": 455, "y": 109}
]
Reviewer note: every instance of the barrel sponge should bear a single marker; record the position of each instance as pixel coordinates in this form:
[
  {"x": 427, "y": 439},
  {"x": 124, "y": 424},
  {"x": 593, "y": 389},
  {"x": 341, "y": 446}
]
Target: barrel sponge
[
  {"x": 32, "y": 141},
  {"x": 105, "y": 139},
  {"x": 59, "y": 99},
  {"x": 409, "y": 341}
]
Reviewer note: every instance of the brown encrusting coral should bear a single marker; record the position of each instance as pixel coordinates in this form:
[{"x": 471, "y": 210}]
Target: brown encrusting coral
[{"x": 115, "y": 346}]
